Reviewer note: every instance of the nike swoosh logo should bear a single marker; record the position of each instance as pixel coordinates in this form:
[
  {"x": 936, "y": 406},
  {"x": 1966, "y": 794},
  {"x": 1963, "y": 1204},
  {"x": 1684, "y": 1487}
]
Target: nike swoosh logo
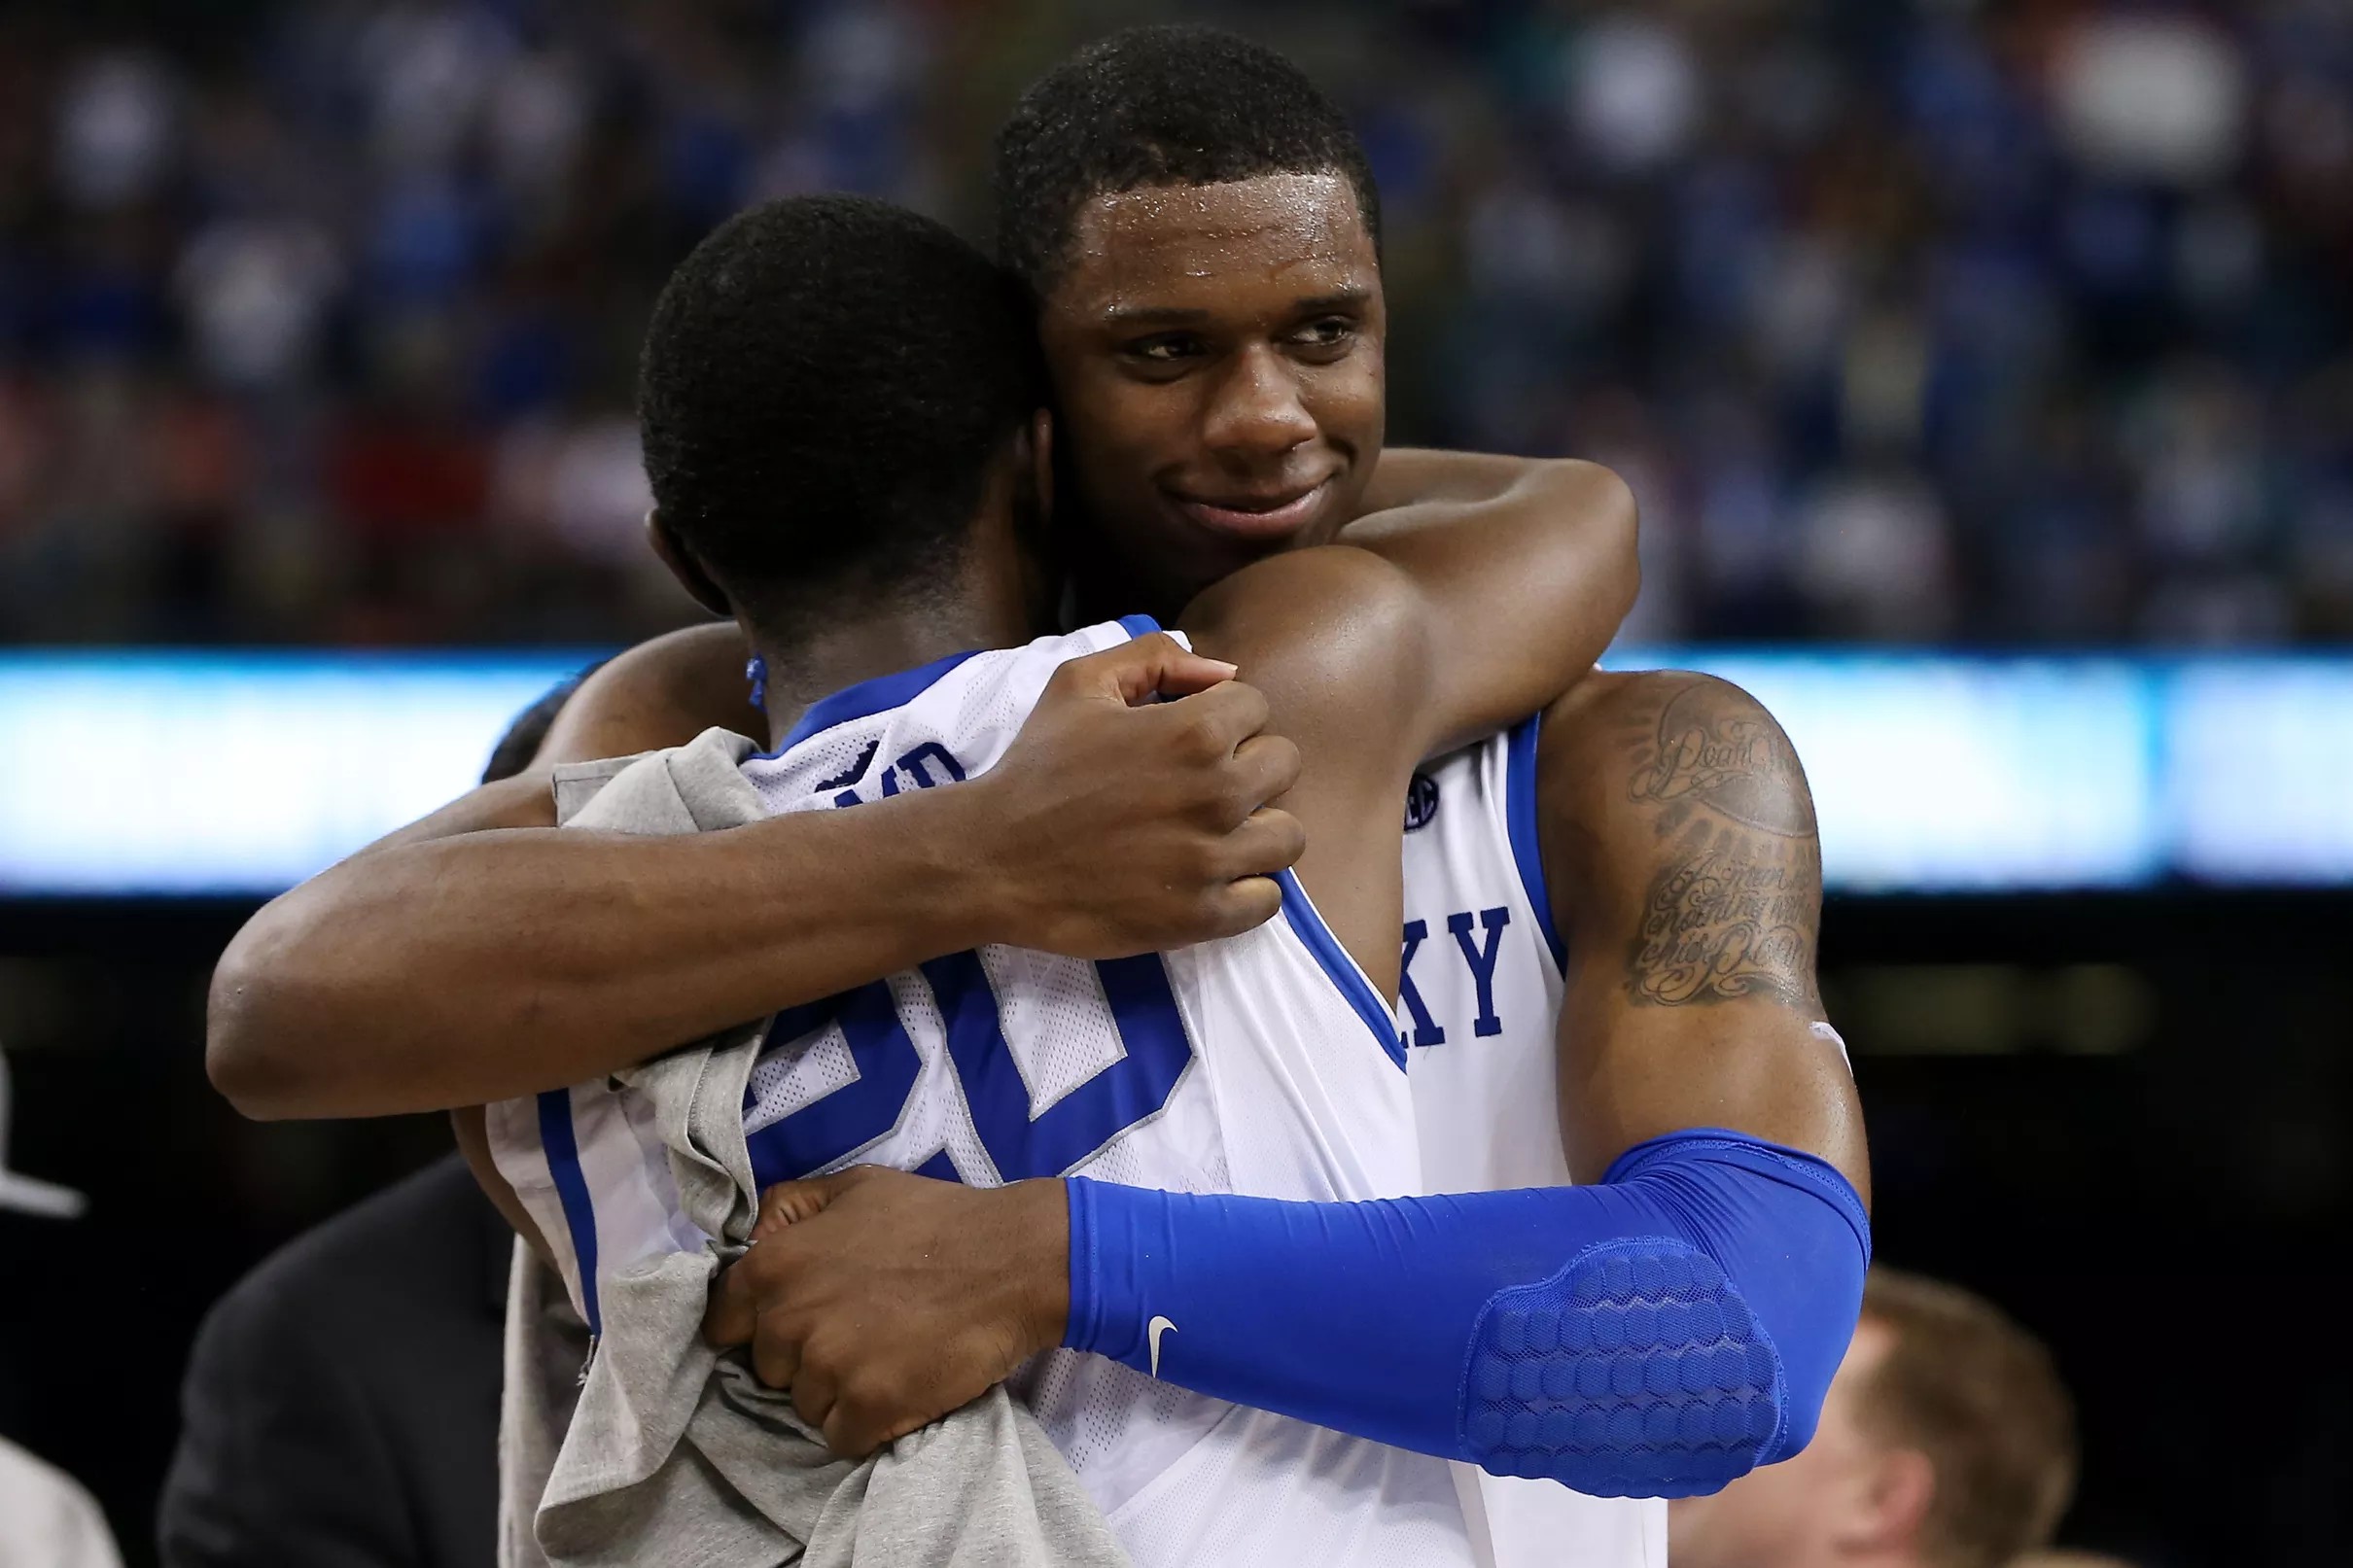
[{"x": 1153, "y": 1332}]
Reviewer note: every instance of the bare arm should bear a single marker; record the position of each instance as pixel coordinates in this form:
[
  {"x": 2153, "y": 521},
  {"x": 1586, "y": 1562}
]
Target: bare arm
[
  {"x": 499, "y": 959},
  {"x": 1681, "y": 842},
  {"x": 1423, "y": 476},
  {"x": 1446, "y": 626},
  {"x": 663, "y": 692},
  {"x": 477, "y": 967},
  {"x": 1679, "y": 839},
  {"x": 1527, "y": 567},
  {"x": 1419, "y": 498}
]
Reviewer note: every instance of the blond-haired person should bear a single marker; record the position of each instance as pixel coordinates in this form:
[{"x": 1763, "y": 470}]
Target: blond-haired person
[{"x": 1947, "y": 1440}]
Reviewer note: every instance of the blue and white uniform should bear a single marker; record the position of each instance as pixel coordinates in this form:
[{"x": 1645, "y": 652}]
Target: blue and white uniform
[
  {"x": 1478, "y": 1003},
  {"x": 1264, "y": 1064}
]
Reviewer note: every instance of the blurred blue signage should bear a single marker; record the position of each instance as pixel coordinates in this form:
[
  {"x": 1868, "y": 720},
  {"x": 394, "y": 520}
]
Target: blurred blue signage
[
  {"x": 200, "y": 772},
  {"x": 197, "y": 773}
]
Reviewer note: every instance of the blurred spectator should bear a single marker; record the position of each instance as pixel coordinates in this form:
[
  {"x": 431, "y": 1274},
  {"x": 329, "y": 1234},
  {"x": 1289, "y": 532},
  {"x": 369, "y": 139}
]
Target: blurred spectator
[
  {"x": 1946, "y": 1442},
  {"x": 45, "y": 1517},
  {"x": 342, "y": 1402},
  {"x": 1952, "y": 321}
]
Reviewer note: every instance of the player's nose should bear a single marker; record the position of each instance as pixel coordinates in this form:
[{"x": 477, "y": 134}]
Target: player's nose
[{"x": 1257, "y": 413}]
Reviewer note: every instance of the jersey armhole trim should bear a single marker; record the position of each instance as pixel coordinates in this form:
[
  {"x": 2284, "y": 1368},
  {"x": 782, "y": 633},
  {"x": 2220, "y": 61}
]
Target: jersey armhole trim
[
  {"x": 563, "y": 1153},
  {"x": 1343, "y": 968},
  {"x": 1520, "y": 820},
  {"x": 1138, "y": 626}
]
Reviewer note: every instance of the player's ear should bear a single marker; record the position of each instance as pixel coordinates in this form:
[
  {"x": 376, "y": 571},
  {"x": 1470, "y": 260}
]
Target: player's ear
[
  {"x": 1897, "y": 1493},
  {"x": 684, "y": 566}
]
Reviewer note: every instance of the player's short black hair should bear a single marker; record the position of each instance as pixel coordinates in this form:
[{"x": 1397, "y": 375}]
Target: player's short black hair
[
  {"x": 1162, "y": 105},
  {"x": 825, "y": 382}
]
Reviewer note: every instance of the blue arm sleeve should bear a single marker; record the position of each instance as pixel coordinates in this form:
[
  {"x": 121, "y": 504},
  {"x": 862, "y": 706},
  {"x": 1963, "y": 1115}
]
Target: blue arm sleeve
[{"x": 1655, "y": 1336}]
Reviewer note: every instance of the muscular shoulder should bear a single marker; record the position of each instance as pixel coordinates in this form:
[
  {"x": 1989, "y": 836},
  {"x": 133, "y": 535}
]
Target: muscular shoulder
[
  {"x": 1677, "y": 820},
  {"x": 1328, "y": 634},
  {"x": 1676, "y": 742},
  {"x": 1300, "y": 599},
  {"x": 660, "y": 693}
]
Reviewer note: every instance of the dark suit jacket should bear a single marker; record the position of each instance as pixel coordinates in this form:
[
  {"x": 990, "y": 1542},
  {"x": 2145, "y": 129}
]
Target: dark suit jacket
[{"x": 341, "y": 1406}]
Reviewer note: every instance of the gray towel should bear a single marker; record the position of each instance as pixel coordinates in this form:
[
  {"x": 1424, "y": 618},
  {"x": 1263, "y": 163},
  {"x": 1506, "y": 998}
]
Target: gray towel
[{"x": 675, "y": 1453}]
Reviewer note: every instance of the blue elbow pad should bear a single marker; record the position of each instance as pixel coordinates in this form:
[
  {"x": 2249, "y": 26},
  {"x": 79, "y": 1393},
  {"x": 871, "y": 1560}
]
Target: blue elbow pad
[{"x": 1656, "y": 1335}]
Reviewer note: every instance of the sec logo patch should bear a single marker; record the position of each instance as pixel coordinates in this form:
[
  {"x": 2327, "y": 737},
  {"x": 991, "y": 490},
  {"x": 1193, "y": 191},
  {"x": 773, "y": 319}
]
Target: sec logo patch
[{"x": 1421, "y": 801}]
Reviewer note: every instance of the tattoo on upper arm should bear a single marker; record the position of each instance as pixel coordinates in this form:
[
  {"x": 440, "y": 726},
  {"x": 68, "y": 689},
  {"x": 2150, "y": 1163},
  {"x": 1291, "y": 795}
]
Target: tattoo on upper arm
[
  {"x": 1733, "y": 913},
  {"x": 1718, "y": 747},
  {"x": 1734, "y": 909}
]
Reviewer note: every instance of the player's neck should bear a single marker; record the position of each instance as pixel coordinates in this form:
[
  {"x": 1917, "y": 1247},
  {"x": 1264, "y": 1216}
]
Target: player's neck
[
  {"x": 803, "y": 668},
  {"x": 996, "y": 595},
  {"x": 993, "y": 602}
]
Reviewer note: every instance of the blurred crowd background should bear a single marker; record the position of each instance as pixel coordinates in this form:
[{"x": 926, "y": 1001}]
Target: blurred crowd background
[
  {"x": 1957, "y": 323},
  {"x": 1950, "y": 321}
]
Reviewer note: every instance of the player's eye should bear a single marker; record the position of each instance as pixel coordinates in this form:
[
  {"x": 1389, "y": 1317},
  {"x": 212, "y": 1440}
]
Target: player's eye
[
  {"x": 1163, "y": 348},
  {"x": 1326, "y": 336}
]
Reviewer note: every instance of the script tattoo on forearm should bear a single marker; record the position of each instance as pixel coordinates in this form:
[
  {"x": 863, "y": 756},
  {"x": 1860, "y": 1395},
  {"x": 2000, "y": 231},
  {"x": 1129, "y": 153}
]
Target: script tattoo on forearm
[{"x": 1735, "y": 907}]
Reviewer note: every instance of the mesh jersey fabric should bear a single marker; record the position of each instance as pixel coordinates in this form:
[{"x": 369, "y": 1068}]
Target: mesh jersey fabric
[{"x": 1283, "y": 1085}]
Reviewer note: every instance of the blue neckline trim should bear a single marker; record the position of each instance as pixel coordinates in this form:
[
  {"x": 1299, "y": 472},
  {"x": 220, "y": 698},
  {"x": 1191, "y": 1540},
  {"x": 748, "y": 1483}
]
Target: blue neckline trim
[
  {"x": 865, "y": 699},
  {"x": 1343, "y": 970},
  {"x": 1519, "y": 818}
]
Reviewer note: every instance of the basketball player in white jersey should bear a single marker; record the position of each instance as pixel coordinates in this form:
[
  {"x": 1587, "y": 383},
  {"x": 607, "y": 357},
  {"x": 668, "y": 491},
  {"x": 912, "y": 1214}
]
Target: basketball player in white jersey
[
  {"x": 1665, "y": 828},
  {"x": 884, "y": 363}
]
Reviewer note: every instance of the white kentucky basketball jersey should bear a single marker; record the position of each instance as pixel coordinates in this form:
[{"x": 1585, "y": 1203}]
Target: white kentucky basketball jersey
[
  {"x": 1266, "y": 1064},
  {"x": 1476, "y": 1003}
]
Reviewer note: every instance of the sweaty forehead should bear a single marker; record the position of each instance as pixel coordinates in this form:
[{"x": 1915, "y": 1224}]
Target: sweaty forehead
[{"x": 1190, "y": 244}]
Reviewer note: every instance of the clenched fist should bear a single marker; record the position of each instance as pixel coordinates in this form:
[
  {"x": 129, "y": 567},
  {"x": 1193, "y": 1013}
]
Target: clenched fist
[
  {"x": 1118, "y": 824},
  {"x": 883, "y": 1301}
]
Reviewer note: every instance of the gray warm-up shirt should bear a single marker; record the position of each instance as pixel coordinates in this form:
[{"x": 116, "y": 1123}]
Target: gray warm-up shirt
[{"x": 671, "y": 1453}]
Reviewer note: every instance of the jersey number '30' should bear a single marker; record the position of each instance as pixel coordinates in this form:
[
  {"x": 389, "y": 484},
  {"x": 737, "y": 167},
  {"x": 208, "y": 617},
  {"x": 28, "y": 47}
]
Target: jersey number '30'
[{"x": 1020, "y": 1145}]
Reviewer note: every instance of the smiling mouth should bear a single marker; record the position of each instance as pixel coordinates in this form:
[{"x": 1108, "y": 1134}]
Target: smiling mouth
[{"x": 1247, "y": 517}]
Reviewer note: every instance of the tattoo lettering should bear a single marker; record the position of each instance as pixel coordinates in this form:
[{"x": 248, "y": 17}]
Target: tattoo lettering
[
  {"x": 1733, "y": 914},
  {"x": 1717, "y": 748}
]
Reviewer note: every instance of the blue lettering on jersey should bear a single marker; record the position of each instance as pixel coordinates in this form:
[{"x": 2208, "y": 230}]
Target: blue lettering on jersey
[
  {"x": 1482, "y": 961},
  {"x": 917, "y": 765},
  {"x": 854, "y": 772},
  {"x": 1126, "y": 1091},
  {"x": 1090, "y": 1115},
  {"x": 1426, "y": 1028},
  {"x": 859, "y": 1112},
  {"x": 1479, "y": 956}
]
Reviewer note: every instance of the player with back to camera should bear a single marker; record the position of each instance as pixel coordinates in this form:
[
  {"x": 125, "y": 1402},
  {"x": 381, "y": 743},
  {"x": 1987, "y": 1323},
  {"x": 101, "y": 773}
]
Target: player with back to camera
[{"x": 1663, "y": 835}]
